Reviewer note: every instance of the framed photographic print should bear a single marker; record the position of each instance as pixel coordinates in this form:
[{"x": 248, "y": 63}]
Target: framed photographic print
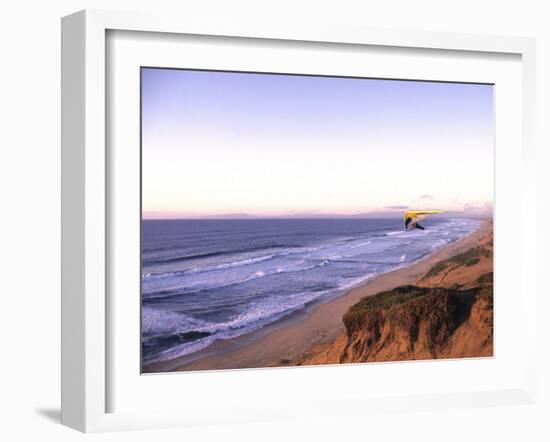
[
  {"x": 291, "y": 232},
  {"x": 249, "y": 213}
]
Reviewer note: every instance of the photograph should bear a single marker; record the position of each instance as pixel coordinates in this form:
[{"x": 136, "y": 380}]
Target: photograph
[{"x": 294, "y": 220}]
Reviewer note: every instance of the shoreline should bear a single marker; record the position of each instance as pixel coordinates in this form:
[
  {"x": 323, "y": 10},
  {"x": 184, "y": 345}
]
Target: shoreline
[{"x": 289, "y": 338}]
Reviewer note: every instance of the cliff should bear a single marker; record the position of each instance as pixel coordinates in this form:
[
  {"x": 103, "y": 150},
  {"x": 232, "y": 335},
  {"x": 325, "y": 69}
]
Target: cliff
[
  {"x": 419, "y": 323},
  {"x": 447, "y": 313}
]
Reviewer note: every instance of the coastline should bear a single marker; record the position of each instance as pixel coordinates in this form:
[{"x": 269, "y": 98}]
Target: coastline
[{"x": 288, "y": 339}]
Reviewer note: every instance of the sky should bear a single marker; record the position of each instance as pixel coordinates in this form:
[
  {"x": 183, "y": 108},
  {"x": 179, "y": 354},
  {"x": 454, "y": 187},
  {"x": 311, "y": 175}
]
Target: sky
[{"x": 224, "y": 143}]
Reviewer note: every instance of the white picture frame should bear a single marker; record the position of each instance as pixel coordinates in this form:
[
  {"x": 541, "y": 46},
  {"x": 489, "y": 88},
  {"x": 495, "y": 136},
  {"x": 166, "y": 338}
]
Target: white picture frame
[{"x": 86, "y": 207}]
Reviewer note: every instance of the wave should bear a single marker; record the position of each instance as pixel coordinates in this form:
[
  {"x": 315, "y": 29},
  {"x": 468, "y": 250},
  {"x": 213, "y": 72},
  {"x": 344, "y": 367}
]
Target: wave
[
  {"x": 356, "y": 281},
  {"x": 396, "y": 232},
  {"x": 195, "y": 270},
  {"x": 158, "y": 322},
  {"x": 165, "y": 294},
  {"x": 173, "y": 259},
  {"x": 184, "y": 328},
  {"x": 361, "y": 244}
]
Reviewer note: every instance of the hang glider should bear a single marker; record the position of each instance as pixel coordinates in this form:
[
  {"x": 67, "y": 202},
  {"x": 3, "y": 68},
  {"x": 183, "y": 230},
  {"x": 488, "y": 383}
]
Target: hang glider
[{"x": 411, "y": 218}]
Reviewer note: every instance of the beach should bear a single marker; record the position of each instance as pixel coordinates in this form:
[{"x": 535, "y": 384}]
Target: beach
[{"x": 289, "y": 340}]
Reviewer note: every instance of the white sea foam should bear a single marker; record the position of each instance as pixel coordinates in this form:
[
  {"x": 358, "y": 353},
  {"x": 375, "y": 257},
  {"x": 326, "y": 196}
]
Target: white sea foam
[
  {"x": 257, "y": 315},
  {"x": 397, "y": 232},
  {"x": 158, "y": 322},
  {"x": 361, "y": 244},
  {"x": 165, "y": 288}
]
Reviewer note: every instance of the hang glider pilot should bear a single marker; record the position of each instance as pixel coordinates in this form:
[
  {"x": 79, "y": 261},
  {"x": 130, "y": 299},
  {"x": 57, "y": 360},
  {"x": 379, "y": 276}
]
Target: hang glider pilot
[{"x": 411, "y": 218}]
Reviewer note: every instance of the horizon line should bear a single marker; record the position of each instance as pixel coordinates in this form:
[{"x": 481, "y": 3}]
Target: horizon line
[{"x": 383, "y": 215}]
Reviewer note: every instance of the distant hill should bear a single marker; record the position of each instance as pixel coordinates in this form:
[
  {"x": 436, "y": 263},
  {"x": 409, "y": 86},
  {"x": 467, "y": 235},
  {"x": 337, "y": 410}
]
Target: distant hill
[
  {"x": 229, "y": 216},
  {"x": 470, "y": 212},
  {"x": 366, "y": 215}
]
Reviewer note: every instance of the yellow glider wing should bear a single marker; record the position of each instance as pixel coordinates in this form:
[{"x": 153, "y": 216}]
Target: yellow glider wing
[{"x": 409, "y": 215}]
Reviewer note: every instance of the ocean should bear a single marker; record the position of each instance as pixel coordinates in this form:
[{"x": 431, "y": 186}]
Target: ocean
[{"x": 210, "y": 279}]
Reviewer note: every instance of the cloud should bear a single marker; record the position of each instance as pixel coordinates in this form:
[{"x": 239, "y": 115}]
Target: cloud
[
  {"x": 396, "y": 207},
  {"x": 479, "y": 206},
  {"x": 483, "y": 207},
  {"x": 477, "y": 209},
  {"x": 426, "y": 196}
]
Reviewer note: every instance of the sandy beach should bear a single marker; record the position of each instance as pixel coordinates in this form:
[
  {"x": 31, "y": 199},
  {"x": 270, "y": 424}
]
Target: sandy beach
[{"x": 287, "y": 340}]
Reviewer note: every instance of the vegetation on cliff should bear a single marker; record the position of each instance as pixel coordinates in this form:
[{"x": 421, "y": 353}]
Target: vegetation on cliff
[{"x": 412, "y": 322}]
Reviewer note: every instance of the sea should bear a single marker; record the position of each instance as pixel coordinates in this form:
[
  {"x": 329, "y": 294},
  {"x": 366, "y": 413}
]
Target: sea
[{"x": 211, "y": 279}]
